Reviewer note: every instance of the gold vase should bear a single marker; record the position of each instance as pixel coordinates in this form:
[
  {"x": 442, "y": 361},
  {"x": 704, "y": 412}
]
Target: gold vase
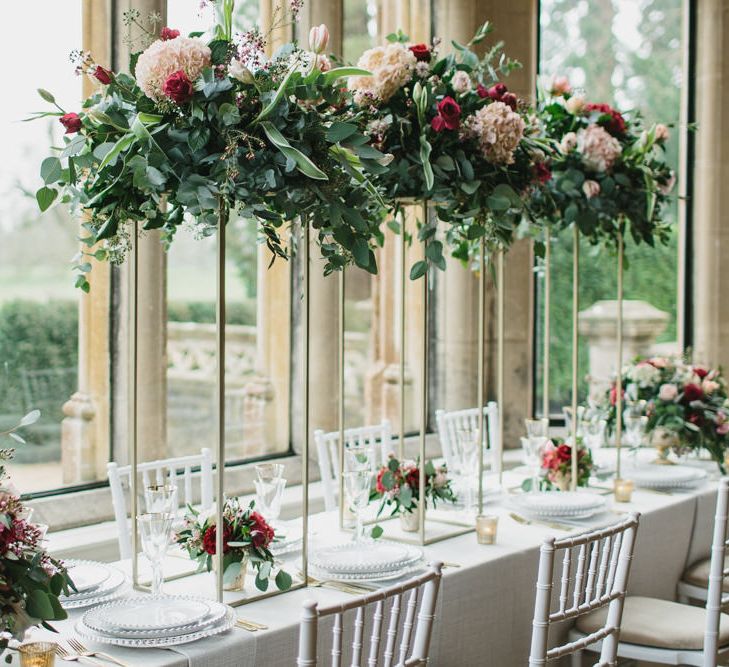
[
  {"x": 410, "y": 521},
  {"x": 664, "y": 440}
]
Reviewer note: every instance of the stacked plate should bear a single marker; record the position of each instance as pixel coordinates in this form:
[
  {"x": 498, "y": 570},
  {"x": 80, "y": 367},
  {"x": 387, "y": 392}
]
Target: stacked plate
[
  {"x": 372, "y": 561},
  {"x": 560, "y": 504},
  {"x": 289, "y": 537},
  {"x": 666, "y": 478},
  {"x": 95, "y": 583},
  {"x": 144, "y": 621}
]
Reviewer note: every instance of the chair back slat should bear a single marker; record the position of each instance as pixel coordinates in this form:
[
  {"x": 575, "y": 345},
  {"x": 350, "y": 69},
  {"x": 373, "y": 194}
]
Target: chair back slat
[
  {"x": 378, "y": 437},
  {"x": 177, "y": 471},
  {"x": 613, "y": 547},
  {"x": 449, "y": 423},
  {"x": 716, "y": 575},
  {"x": 385, "y": 609}
]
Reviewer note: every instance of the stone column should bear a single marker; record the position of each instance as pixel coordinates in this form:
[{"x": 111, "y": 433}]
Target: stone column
[
  {"x": 710, "y": 197},
  {"x": 85, "y": 427},
  {"x": 152, "y": 312}
]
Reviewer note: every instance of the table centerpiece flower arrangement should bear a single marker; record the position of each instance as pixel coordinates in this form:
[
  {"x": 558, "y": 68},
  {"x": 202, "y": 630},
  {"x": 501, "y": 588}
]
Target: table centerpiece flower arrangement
[
  {"x": 209, "y": 126},
  {"x": 397, "y": 486},
  {"x": 557, "y": 465},
  {"x": 687, "y": 405},
  {"x": 31, "y": 581},
  {"x": 607, "y": 170},
  {"x": 247, "y": 537},
  {"x": 458, "y": 137}
]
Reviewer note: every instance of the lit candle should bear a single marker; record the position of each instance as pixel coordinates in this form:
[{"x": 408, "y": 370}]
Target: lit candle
[
  {"x": 486, "y": 528},
  {"x": 37, "y": 654},
  {"x": 623, "y": 490}
]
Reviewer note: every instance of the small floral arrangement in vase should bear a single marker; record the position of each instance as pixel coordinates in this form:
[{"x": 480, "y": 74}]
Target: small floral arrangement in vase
[
  {"x": 686, "y": 404},
  {"x": 557, "y": 465},
  {"x": 31, "y": 581},
  {"x": 246, "y": 540},
  {"x": 398, "y": 487}
]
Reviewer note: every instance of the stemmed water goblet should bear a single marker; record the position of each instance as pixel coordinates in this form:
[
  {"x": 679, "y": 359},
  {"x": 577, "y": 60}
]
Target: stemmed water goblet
[
  {"x": 466, "y": 457},
  {"x": 155, "y": 529},
  {"x": 357, "y": 487},
  {"x": 269, "y": 495},
  {"x": 161, "y": 499}
]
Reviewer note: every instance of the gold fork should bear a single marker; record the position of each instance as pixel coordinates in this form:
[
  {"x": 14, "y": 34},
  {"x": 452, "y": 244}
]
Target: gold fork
[
  {"x": 549, "y": 524},
  {"x": 252, "y": 626},
  {"x": 79, "y": 647},
  {"x": 63, "y": 654}
]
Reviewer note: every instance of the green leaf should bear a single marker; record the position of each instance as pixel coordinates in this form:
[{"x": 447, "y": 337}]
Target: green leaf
[
  {"x": 45, "y": 197},
  {"x": 361, "y": 253},
  {"x": 121, "y": 145},
  {"x": 38, "y": 605},
  {"x": 268, "y": 109},
  {"x": 229, "y": 114},
  {"x": 338, "y": 72},
  {"x": 406, "y": 495},
  {"x": 48, "y": 97},
  {"x": 262, "y": 584},
  {"x": 219, "y": 51},
  {"x": 74, "y": 146},
  {"x": 283, "y": 580},
  {"x": 340, "y": 131},
  {"x": 31, "y": 418},
  {"x": 376, "y": 532},
  {"x": 51, "y": 170},
  {"x": 498, "y": 204},
  {"x": 303, "y": 163},
  {"x": 418, "y": 270},
  {"x": 425, "y": 150}
]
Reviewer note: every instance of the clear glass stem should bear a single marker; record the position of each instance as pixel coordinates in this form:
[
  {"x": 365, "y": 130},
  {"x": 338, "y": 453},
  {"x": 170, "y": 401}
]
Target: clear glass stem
[
  {"x": 359, "y": 527},
  {"x": 157, "y": 576}
]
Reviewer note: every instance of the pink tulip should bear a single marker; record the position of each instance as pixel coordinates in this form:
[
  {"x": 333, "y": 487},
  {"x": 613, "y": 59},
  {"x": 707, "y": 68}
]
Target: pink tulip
[{"x": 319, "y": 38}]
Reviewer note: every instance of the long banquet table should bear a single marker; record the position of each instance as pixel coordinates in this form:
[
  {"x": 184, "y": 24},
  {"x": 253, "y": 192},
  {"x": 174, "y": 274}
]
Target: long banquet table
[{"x": 485, "y": 606}]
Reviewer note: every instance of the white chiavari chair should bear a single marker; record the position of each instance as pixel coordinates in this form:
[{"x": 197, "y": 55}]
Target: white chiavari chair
[
  {"x": 450, "y": 422},
  {"x": 401, "y": 625},
  {"x": 378, "y": 437},
  {"x": 177, "y": 471},
  {"x": 594, "y": 575},
  {"x": 670, "y": 633}
]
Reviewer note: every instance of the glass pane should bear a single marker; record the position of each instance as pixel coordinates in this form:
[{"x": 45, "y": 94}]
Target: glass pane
[
  {"x": 636, "y": 65},
  {"x": 38, "y": 302},
  {"x": 360, "y": 28}
]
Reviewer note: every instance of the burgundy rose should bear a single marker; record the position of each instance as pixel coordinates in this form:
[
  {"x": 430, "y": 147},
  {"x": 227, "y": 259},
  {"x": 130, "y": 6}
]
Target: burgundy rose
[
  {"x": 209, "y": 540},
  {"x": 701, "y": 372},
  {"x": 614, "y": 124},
  {"x": 102, "y": 75},
  {"x": 261, "y": 533},
  {"x": 178, "y": 87},
  {"x": 509, "y": 99},
  {"x": 449, "y": 115},
  {"x": 696, "y": 418},
  {"x": 482, "y": 91},
  {"x": 421, "y": 52},
  {"x": 692, "y": 392},
  {"x": 497, "y": 91},
  {"x": 542, "y": 172},
  {"x": 168, "y": 33},
  {"x": 564, "y": 453},
  {"x": 71, "y": 121}
]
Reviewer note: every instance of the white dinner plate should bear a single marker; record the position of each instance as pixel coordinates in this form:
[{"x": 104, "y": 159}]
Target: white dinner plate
[
  {"x": 292, "y": 537},
  {"x": 110, "y": 589},
  {"x": 409, "y": 570},
  {"x": 216, "y": 615},
  {"x": 564, "y": 504},
  {"x": 142, "y": 613},
  {"x": 665, "y": 476},
  {"x": 371, "y": 558},
  {"x": 87, "y": 575}
]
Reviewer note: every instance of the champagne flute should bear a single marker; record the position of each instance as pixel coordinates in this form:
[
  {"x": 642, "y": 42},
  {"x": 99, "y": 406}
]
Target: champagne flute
[
  {"x": 357, "y": 484},
  {"x": 155, "y": 529}
]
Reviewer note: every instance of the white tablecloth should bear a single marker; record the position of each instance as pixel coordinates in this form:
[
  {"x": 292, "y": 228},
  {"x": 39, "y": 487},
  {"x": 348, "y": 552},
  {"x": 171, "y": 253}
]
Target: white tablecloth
[{"x": 486, "y": 605}]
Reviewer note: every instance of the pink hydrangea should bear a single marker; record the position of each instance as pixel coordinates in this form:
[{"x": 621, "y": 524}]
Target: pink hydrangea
[
  {"x": 163, "y": 58},
  {"x": 391, "y": 66},
  {"x": 497, "y": 129},
  {"x": 599, "y": 148}
]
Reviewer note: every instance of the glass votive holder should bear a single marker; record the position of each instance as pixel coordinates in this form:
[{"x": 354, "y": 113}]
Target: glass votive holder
[
  {"x": 37, "y": 654},
  {"x": 486, "y": 525},
  {"x": 624, "y": 490}
]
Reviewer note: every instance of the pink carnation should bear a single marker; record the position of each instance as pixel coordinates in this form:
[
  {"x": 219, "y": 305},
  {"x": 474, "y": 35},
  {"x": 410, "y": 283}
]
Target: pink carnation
[{"x": 163, "y": 58}]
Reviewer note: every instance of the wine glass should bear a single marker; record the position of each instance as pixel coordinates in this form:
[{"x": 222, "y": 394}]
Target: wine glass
[
  {"x": 161, "y": 498},
  {"x": 467, "y": 453},
  {"x": 268, "y": 497},
  {"x": 594, "y": 432},
  {"x": 567, "y": 411},
  {"x": 357, "y": 485},
  {"x": 359, "y": 457},
  {"x": 267, "y": 472},
  {"x": 537, "y": 428},
  {"x": 155, "y": 529},
  {"x": 533, "y": 447}
]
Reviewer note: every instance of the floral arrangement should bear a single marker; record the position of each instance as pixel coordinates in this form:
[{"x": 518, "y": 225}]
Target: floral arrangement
[
  {"x": 607, "y": 169},
  {"x": 214, "y": 127},
  {"x": 689, "y": 400},
  {"x": 557, "y": 465},
  {"x": 458, "y": 137},
  {"x": 398, "y": 485},
  {"x": 246, "y": 538},
  {"x": 31, "y": 581}
]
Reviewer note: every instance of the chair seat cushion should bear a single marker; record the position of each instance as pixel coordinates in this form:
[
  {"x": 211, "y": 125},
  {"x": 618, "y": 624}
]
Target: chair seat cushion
[
  {"x": 658, "y": 623},
  {"x": 698, "y": 574}
]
